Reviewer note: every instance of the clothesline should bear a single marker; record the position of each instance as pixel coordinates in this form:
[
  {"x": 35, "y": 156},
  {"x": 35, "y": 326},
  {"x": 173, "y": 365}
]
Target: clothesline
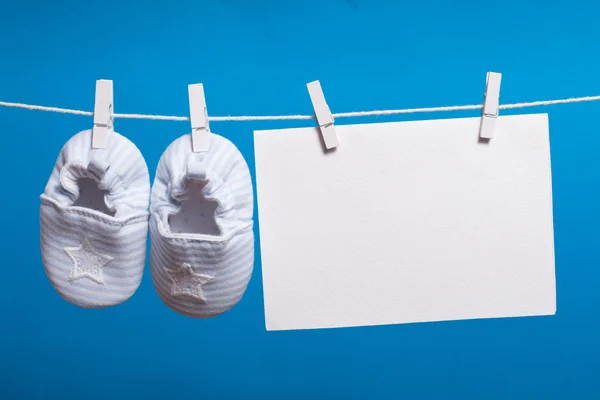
[{"x": 306, "y": 117}]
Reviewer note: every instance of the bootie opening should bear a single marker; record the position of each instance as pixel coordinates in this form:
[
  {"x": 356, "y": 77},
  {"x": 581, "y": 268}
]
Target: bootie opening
[
  {"x": 91, "y": 196},
  {"x": 197, "y": 214}
]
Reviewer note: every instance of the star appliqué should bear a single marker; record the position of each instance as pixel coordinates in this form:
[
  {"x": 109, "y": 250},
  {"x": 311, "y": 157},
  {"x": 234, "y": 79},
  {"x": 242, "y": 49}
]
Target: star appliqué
[
  {"x": 187, "y": 282},
  {"x": 87, "y": 262}
]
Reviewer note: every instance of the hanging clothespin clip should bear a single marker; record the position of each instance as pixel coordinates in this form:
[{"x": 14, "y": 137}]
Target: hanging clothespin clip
[
  {"x": 491, "y": 103},
  {"x": 323, "y": 114},
  {"x": 103, "y": 114},
  {"x": 199, "y": 118}
]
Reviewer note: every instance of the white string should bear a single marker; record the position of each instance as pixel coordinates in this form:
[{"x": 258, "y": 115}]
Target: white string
[{"x": 306, "y": 117}]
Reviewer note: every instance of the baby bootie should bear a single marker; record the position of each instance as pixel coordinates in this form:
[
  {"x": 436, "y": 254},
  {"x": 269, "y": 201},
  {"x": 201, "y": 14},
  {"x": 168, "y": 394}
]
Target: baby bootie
[
  {"x": 202, "y": 243},
  {"x": 94, "y": 221}
]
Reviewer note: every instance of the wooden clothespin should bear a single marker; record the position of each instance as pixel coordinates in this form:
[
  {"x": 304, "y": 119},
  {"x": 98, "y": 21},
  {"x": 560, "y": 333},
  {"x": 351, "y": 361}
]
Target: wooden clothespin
[
  {"x": 491, "y": 103},
  {"x": 103, "y": 114},
  {"x": 199, "y": 118},
  {"x": 323, "y": 114}
]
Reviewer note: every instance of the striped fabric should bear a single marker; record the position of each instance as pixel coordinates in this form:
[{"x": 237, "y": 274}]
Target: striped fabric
[
  {"x": 91, "y": 258},
  {"x": 201, "y": 275}
]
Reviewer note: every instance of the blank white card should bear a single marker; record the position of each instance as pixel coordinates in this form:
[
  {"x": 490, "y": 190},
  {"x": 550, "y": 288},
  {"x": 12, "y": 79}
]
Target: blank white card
[{"x": 406, "y": 222}]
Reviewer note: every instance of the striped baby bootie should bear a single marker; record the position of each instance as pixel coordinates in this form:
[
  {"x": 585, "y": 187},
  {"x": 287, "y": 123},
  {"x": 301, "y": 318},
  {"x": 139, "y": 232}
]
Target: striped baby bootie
[
  {"x": 94, "y": 221},
  {"x": 202, "y": 243}
]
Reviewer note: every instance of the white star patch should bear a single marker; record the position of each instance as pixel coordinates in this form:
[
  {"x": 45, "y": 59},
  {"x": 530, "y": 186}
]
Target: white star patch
[
  {"x": 87, "y": 262},
  {"x": 187, "y": 282}
]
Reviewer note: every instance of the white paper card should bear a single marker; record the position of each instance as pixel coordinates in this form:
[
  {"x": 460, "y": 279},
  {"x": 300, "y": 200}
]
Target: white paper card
[{"x": 406, "y": 222}]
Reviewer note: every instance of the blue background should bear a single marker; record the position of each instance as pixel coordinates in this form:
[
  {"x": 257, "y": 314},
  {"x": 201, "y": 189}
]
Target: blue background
[{"x": 255, "y": 58}]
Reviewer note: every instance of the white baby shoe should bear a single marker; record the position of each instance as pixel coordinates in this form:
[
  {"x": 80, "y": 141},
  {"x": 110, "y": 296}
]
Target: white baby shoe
[
  {"x": 94, "y": 221},
  {"x": 202, "y": 243}
]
